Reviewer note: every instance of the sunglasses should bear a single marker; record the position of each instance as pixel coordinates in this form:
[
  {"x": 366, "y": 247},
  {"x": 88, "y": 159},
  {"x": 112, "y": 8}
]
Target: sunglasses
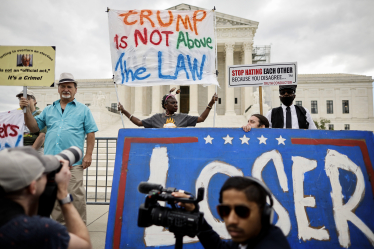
[
  {"x": 289, "y": 91},
  {"x": 240, "y": 210}
]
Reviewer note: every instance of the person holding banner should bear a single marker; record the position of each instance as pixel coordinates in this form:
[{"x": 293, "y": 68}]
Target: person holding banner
[
  {"x": 170, "y": 119},
  {"x": 289, "y": 116},
  {"x": 36, "y": 140},
  {"x": 256, "y": 121},
  {"x": 68, "y": 122}
]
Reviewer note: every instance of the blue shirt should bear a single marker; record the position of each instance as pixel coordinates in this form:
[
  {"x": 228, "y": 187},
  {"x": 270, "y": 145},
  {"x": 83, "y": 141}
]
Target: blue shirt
[{"x": 65, "y": 129}]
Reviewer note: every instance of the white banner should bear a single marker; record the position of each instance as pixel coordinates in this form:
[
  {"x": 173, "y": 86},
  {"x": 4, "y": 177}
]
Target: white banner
[
  {"x": 11, "y": 129},
  {"x": 271, "y": 74},
  {"x": 162, "y": 47}
]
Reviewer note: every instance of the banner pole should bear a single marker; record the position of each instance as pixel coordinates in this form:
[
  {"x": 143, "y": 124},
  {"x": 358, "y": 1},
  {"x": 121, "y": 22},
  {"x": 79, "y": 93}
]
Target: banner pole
[
  {"x": 215, "y": 38},
  {"x": 260, "y": 98},
  {"x": 25, "y": 96},
  {"x": 115, "y": 87}
]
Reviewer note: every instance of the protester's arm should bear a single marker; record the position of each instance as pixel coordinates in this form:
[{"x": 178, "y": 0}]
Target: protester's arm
[
  {"x": 39, "y": 141},
  {"x": 133, "y": 119},
  {"x": 312, "y": 125},
  {"x": 29, "y": 118},
  {"x": 79, "y": 236},
  {"x": 87, "y": 159},
  {"x": 205, "y": 114}
]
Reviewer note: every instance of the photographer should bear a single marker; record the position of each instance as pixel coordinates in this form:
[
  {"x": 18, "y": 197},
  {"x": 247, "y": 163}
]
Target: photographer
[
  {"x": 22, "y": 181},
  {"x": 246, "y": 215}
]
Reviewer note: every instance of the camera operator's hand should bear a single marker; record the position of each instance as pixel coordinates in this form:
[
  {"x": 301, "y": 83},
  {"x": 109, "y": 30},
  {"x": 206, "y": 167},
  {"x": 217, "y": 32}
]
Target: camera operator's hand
[
  {"x": 188, "y": 206},
  {"x": 62, "y": 179}
]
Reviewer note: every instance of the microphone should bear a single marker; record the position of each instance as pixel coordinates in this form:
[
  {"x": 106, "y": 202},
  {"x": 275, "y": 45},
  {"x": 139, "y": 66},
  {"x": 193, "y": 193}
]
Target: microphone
[{"x": 146, "y": 187}]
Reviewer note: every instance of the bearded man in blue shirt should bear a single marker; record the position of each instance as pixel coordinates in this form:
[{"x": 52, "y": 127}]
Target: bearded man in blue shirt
[{"x": 67, "y": 122}]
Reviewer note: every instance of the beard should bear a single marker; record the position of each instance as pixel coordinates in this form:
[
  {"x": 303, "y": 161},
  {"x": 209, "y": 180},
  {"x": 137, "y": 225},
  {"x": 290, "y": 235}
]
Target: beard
[{"x": 66, "y": 96}]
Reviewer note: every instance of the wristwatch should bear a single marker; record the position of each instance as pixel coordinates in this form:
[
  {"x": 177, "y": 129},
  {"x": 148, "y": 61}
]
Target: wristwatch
[{"x": 67, "y": 199}]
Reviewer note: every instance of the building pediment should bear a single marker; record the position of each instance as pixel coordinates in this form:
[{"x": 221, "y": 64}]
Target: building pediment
[{"x": 223, "y": 20}]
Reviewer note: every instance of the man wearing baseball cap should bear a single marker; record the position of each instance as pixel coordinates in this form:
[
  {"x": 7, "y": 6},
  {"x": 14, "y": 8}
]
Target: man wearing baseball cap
[
  {"x": 36, "y": 140},
  {"x": 288, "y": 115},
  {"x": 22, "y": 181},
  {"x": 68, "y": 122}
]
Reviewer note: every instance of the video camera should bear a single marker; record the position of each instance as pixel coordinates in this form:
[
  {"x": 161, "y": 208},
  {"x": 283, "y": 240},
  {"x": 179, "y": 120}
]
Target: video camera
[
  {"x": 176, "y": 219},
  {"x": 48, "y": 198}
]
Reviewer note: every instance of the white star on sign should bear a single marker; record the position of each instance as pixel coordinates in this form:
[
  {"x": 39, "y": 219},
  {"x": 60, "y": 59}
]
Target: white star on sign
[
  {"x": 244, "y": 139},
  {"x": 281, "y": 140},
  {"x": 228, "y": 139},
  {"x": 208, "y": 139},
  {"x": 262, "y": 139}
]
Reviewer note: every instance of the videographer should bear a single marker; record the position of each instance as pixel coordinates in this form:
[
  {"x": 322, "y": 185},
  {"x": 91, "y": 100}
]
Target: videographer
[
  {"x": 22, "y": 181},
  {"x": 246, "y": 215}
]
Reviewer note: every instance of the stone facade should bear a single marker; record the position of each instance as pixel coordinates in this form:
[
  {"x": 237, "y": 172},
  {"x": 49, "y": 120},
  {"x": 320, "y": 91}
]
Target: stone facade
[{"x": 235, "y": 37}]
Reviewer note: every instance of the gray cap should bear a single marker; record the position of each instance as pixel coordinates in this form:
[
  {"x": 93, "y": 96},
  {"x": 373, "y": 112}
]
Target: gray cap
[
  {"x": 20, "y": 166},
  {"x": 29, "y": 93}
]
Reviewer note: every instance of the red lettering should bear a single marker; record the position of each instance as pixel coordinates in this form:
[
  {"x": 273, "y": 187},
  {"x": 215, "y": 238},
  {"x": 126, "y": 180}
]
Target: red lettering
[
  {"x": 159, "y": 37},
  {"x": 167, "y": 33},
  {"x": 15, "y": 132},
  {"x": 4, "y": 130},
  {"x": 121, "y": 43},
  {"x": 142, "y": 38}
]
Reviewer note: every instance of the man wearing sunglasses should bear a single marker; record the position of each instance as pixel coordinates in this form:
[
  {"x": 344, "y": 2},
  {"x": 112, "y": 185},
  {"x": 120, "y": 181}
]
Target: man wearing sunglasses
[
  {"x": 288, "y": 115},
  {"x": 246, "y": 214}
]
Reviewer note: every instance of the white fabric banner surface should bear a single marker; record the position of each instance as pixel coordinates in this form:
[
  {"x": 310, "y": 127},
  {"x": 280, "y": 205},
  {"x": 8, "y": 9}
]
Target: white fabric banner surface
[
  {"x": 162, "y": 47},
  {"x": 11, "y": 129}
]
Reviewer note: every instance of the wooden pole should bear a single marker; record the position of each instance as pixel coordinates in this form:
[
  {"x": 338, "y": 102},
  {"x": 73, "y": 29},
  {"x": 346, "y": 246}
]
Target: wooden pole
[{"x": 260, "y": 99}]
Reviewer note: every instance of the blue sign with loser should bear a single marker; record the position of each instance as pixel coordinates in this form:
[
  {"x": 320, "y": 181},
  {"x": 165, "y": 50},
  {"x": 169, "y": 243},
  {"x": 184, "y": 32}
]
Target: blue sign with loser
[{"x": 322, "y": 181}]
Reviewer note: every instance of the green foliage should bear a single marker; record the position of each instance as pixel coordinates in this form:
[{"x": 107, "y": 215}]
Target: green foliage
[{"x": 321, "y": 125}]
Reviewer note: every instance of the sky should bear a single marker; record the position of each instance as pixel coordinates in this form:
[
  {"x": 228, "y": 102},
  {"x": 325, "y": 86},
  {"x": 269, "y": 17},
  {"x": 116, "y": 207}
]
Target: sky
[{"x": 334, "y": 36}]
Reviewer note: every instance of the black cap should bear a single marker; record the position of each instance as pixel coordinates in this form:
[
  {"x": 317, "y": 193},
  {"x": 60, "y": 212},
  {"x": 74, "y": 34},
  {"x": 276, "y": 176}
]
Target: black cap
[{"x": 293, "y": 87}]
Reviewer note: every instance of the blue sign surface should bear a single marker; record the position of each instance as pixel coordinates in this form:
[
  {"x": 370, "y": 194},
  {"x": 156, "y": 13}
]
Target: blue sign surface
[{"x": 320, "y": 181}]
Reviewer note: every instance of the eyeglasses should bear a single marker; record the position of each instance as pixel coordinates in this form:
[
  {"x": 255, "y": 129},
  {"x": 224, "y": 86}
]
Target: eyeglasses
[
  {"x": 289, "y": 91},
  {"x": 240, "y": 210}
]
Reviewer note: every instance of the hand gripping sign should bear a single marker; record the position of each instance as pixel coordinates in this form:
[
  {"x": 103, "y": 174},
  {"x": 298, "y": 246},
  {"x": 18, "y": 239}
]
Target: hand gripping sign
[
  {"x": 322, "y": 181},
  {"x": 162, "y": 47}
]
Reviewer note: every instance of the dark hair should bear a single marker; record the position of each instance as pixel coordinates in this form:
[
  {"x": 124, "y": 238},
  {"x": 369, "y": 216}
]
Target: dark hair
[
  {"x": 163, "y": 101},
  {"x": 262, "y": 119},
  {"x": 252, "y": 190}
]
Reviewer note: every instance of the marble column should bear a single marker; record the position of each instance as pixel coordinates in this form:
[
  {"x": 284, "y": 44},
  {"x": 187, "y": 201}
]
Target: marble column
[
  {"x": 247, "y": 92},
  {"x": 194, "y": 97},
  {"x": 230, "y": 99},
  {"x": 138, "y": 106},
  {"x": 156, "y": 100},
  {"x": 123, "y": 96}
]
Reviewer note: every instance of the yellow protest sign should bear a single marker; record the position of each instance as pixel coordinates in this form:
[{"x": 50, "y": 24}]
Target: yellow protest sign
[{"x": 27, "y": 65}]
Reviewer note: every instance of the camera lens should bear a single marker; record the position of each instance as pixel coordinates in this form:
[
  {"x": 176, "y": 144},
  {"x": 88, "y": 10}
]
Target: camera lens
[{"x": 72, "y": 154}]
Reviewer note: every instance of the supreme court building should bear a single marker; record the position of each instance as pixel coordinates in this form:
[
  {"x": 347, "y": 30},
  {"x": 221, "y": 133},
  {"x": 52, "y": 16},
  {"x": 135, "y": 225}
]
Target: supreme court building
[{"x": 344, "y": 99}]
